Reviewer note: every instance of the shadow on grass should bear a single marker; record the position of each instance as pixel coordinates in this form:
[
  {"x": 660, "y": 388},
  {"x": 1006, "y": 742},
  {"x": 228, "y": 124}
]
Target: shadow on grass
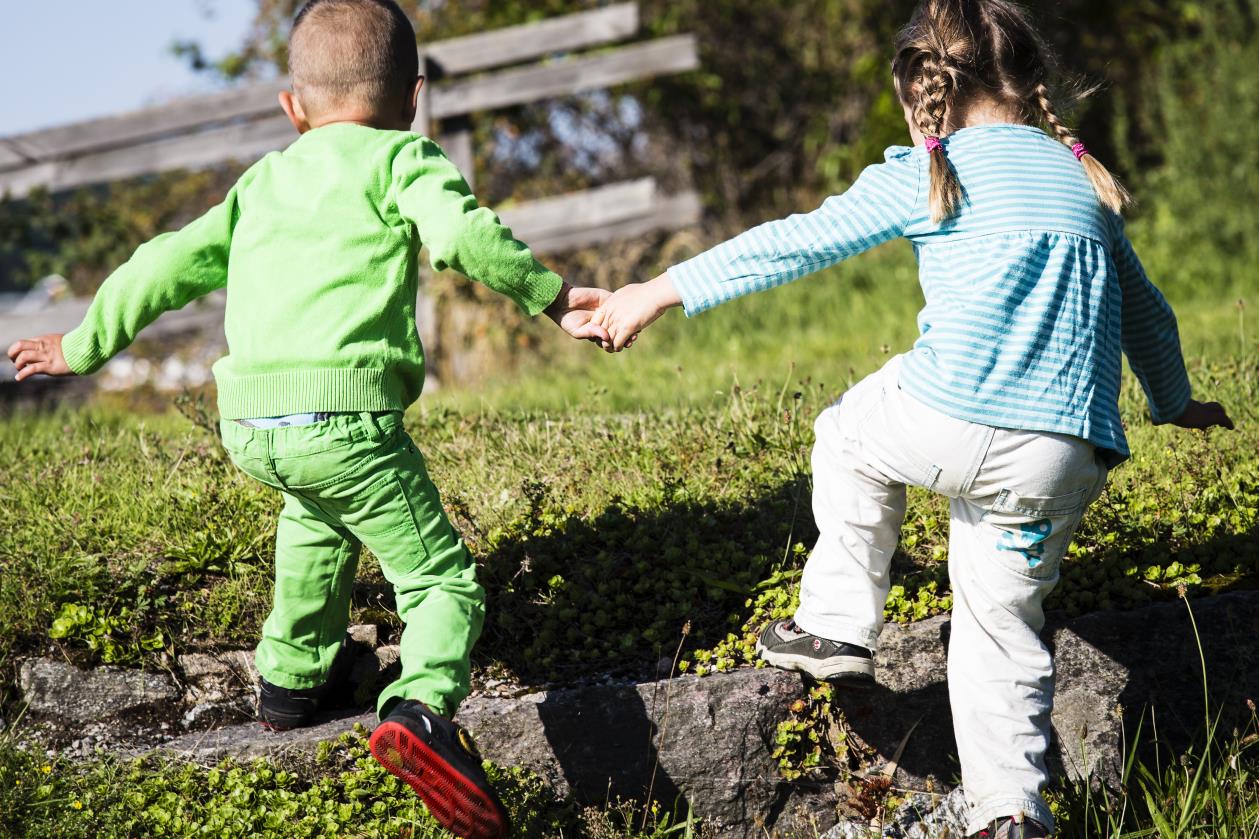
[{"x": 571, "y": 597}]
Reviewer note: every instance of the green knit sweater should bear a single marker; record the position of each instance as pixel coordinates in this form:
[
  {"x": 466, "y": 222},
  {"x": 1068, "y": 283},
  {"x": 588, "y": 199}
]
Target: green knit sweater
[{"x": 318, "y": 249}]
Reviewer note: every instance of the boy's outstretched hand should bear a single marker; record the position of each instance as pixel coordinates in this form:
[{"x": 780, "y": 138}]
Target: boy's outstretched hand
[
  {"x": 573, "y": 311},
  {"x": 635, "y": 307},
  {"x": 39, "y": 355},
  {"x": 1204, "y": 415}
]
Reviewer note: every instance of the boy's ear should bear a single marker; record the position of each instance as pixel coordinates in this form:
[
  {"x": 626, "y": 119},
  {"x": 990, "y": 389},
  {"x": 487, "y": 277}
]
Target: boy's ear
[
  {"x": 293, "y": 110},
  {"x": 412, "y": 104}
]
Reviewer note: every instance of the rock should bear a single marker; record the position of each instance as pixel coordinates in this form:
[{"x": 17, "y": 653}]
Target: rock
[
  {"x": 1116, "y": 668},
  {"x": 56, "y": 689},
  {"x": 710, "y": 749},
  {"x": 218, "y": 677},
  {"x": 922, "y": 816},
  {"x": 370, "y": 673},
  {"x": 366, "y": 634},
  {"x": 708, "y": 740},
  {"x": 1106, "y": 660}
]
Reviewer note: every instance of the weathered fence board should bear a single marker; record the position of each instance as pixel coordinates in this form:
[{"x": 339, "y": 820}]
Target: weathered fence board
[
  {"x": 9, "y": 156},
  {"x": 514, "y": 44},
  {"x": 665, "y": 212},
  {"x": 244, "y": 141},
  {"x": 244, "y": 102},
  {"x": 662, "y": 56},
  {"x": 546, "y": 216}
]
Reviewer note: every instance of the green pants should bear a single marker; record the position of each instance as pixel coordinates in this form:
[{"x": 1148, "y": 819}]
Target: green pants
[{"x": 349, "y": 481}]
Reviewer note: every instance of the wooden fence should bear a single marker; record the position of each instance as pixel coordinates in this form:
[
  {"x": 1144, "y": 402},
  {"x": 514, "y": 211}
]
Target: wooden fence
[{"x": 467, "y": 75}]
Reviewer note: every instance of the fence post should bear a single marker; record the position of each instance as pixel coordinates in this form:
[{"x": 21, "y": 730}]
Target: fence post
[{"x": 423, "y": 115}]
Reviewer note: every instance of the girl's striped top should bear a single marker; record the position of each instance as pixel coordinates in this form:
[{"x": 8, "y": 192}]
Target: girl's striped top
[{"x": 1032, "y": 289}]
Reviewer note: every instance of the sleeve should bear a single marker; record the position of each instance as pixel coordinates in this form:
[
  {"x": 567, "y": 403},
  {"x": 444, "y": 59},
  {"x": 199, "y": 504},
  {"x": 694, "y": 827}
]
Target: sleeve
[
  {"x": 1150, "y": 337},
  {"x": 874, "y": 210},
  {"x": 459, "y": 234},
  {"x": 163, "y": 274}
]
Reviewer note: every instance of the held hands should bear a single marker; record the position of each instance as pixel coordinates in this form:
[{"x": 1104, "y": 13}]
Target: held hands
[
  {"x": 573, "y": 311},
  {"x": 39, "y": 355},
  {"x": 1204, "y": 415},
  {"x": 633, "y": 308}
]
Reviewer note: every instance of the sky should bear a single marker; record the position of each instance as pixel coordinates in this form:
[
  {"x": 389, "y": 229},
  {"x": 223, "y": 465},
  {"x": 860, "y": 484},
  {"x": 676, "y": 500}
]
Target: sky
[{"x": 68, "y": 60}]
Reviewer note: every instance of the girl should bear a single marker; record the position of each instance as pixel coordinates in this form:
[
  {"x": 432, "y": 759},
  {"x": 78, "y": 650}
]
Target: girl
[{"x": 1007, "y": 403}]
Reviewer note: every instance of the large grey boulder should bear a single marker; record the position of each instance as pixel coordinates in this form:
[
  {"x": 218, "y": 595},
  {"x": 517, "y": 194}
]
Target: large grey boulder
[
  {"x": 703, "y": 743},
  {"x": 708, "y": 740},
  {"x": 56, "y": 689}
]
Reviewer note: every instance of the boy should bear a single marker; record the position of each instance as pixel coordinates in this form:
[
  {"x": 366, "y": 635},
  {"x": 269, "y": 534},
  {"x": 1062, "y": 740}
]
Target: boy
[{"x": 317, "y": 247}]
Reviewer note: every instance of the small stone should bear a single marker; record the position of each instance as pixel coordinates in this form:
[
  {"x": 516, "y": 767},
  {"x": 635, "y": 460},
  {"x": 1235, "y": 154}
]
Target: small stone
[
  {"x": 388, "y": 655},
  {"x": 216, "y": 677},
  {"x": 367, "y": 634}
]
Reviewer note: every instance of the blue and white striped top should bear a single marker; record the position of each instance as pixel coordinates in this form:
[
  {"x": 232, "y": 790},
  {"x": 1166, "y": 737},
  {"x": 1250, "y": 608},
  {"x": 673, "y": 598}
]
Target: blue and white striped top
[{"x": 1032, "y": 289}]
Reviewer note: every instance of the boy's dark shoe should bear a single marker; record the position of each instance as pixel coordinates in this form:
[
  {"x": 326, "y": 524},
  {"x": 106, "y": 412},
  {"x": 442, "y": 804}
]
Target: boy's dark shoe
[
  {"x": 788, "y": 647},
  {"x": 438, "y": 759},
  {"x": 283, "y": 709},
  {"x": 1008, "y": 828}
]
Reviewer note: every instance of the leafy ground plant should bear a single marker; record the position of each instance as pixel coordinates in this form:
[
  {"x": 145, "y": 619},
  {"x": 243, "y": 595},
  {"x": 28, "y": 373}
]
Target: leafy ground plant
[{"x": 341, "y": 792}]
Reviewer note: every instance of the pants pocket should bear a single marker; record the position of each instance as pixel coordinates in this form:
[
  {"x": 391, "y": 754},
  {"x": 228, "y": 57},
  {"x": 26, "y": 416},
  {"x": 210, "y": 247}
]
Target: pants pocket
[
  {"x": 1031, "y": 533},
  {"x": 1009, "y": 501}
]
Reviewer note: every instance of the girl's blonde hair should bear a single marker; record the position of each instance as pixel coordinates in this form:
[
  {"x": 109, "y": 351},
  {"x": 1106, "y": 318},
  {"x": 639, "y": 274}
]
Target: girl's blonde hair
[{"x": 953, "y": 50}]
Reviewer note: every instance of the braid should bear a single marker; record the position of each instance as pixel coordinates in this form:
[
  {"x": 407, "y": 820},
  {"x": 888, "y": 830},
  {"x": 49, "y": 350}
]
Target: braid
[
  {"x": 1108, "y": 188},
  {"x": 933, "y": 97},
  {"x": 933, "y": 106}
]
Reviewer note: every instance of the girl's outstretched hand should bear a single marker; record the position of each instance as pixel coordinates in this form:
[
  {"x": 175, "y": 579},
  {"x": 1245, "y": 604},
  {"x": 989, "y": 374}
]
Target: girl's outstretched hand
[
  {"x": 39, "y": 355},
  {"x": 1204, "y": 415},
  {"x": 635, "y": 307}
]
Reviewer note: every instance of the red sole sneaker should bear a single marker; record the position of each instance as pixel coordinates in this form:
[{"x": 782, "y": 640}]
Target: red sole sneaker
[{"x": 458, "y": 804}]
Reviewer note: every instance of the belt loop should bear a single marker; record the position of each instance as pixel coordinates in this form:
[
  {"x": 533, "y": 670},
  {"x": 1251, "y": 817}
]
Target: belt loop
[{"x": 373, "y": 425}]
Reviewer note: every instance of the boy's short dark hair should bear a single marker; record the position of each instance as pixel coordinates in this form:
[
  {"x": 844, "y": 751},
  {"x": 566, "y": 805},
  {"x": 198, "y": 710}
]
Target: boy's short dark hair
[{"x": 352, "y": 51}]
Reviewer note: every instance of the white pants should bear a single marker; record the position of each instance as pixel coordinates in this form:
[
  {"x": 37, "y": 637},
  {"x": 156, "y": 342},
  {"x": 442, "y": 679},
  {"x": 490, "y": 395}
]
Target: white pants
[{"x": 1016, "y": 498}]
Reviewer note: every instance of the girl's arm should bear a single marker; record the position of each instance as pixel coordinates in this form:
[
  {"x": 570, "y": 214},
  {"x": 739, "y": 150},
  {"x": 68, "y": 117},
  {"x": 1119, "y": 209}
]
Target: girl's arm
[
  {"x": 1150, "y": 338},
  {"x": 875, "y": 210},
  {"x": 1152, "y": 343}
]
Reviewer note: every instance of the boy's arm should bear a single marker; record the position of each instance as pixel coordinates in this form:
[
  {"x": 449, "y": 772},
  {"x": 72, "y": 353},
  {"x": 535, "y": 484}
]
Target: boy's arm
[
  {"x": 164, "y": 273},
  {"x": 460, "y": 234}
]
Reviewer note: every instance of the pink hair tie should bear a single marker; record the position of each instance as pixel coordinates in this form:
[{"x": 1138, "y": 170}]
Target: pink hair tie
[
  {"x": 1079, "y": 151},
  {"x": 933, "y": 144}
]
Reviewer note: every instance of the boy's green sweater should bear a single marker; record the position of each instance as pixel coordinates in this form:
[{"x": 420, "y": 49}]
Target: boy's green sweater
[{"x": 318, "y": 249}]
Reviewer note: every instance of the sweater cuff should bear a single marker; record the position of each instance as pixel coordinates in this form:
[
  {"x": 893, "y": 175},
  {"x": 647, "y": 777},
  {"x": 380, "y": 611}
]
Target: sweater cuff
[
  {"x": 81, "y": 352},
  {"x": 539, "y": 291}
]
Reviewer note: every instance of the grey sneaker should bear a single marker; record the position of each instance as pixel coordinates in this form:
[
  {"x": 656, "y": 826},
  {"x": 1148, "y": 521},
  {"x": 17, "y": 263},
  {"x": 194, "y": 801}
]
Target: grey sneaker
[
  {"x": 788, "y": 647},
  {"x": 1010, "y": 828}
]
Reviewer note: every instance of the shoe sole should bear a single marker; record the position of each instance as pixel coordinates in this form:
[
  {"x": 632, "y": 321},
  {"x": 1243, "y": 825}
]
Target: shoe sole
[
  {"x": 457, "y": 803},
  {"x": 847, "y": 670}
]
